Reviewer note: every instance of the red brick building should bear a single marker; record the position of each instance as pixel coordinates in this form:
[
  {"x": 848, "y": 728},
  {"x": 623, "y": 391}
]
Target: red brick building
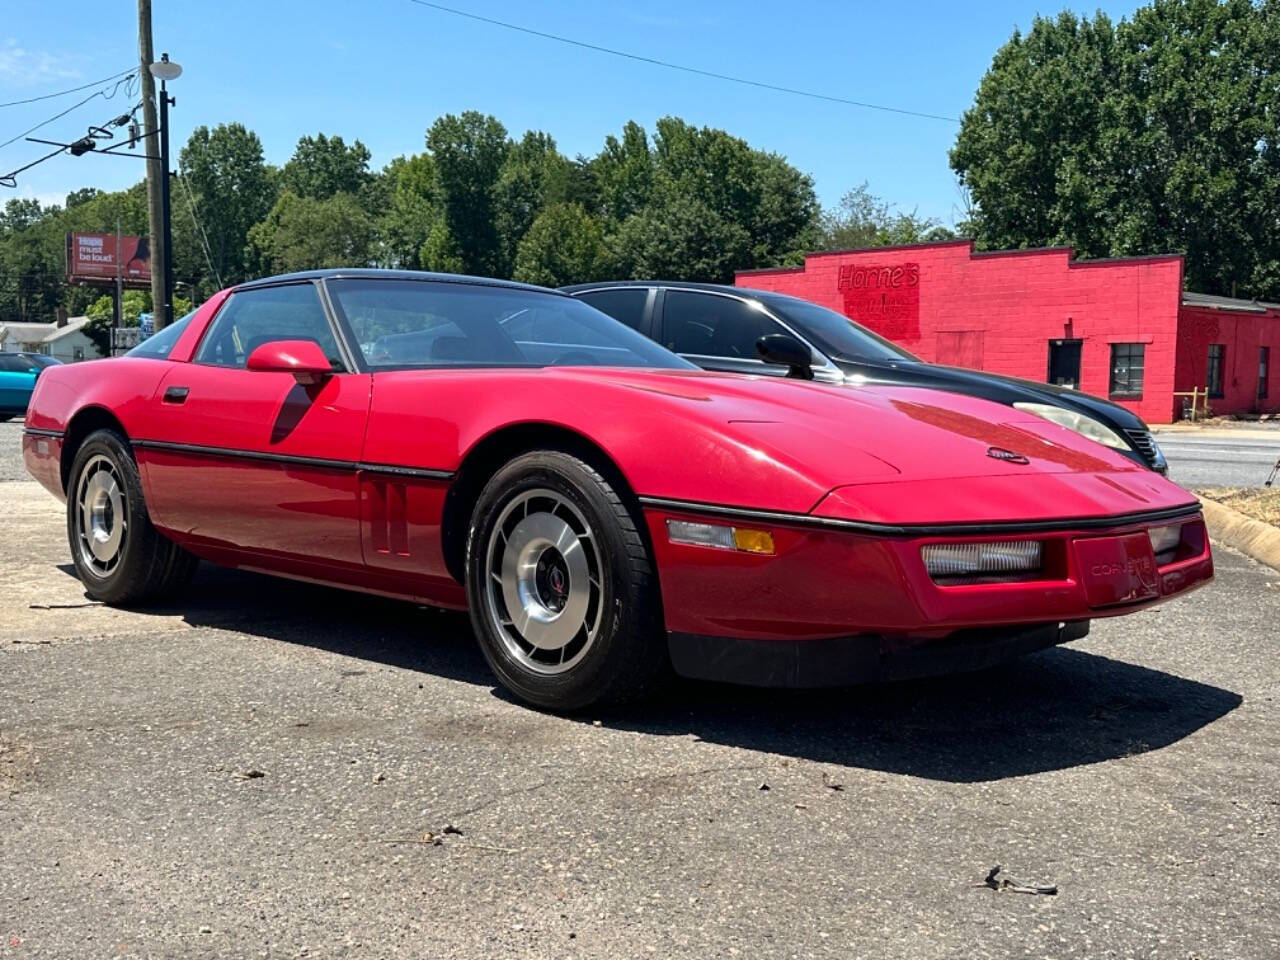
[{"x": 1122, "y": 329}]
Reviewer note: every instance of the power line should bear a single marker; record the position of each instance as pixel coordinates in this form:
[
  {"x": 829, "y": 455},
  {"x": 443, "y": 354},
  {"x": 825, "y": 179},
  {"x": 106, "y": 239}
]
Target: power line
[
  {"x": 677, "y": 66},
  {"x": 204, "y": 237},
  {"x": 63, "y": 93},
  {"x": 58, "y": 116}
]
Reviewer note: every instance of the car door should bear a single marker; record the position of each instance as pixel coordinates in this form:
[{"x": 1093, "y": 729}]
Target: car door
[
  {"x": 718, "y": 331},
  {"x": 17, "y": 380},
  {"x": 256, "y": 462}
]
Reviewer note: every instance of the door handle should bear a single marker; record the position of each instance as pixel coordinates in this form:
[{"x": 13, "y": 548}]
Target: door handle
[{"x": 176, "y": 394}]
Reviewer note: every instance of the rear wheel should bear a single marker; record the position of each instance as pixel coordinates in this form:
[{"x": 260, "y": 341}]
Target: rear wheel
[
  {"x": 561, "y": 587},
  {"x": 118, "y": 555}
]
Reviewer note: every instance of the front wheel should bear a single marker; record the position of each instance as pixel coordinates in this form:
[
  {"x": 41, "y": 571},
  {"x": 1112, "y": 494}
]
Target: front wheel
[
  {"x": 118, "y": 555},
  {"x": 561, "y": 586}
]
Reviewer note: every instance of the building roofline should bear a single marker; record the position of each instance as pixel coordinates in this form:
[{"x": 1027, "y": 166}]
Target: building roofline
[
  {"x": 74, "y": 325},
  {"x": 900, "y": 246},
  {"x": 753, "y": 270},
  {"x": 1212, "y": 301},
  {"x": 1072, "y": 261}
]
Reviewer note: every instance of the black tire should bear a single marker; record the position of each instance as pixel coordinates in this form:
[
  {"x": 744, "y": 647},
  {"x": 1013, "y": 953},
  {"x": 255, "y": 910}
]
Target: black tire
[
  {"x": 146, "y": 565},
  {"x": 625, "y": 656}
]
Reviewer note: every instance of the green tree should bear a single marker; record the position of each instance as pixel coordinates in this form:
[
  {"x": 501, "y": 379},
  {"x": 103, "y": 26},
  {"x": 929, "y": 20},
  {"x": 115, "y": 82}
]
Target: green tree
[
  {"x": 861, "y": 219},
  {"x": 711, "y": 204},
  {"x": 233, "y": 189},
  {"x": 677, "y": 236},
  {"x": 412, "y": 209},
  {"x": 533, "y": 175},
  {"x": 303, "y": 233},
  {"x": 624, "y": 172},
  {"x": 322, "y": 166},
  {"x": 1158, "y": 134},
  {"x": 134, "y": 303},
  {"x": 565, "y": 244},
  {"x": 83, "y": 195},
  {"x": 469, "y": 152}
]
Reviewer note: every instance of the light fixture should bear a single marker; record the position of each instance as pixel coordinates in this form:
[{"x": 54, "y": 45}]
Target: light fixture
[
  {"x": 165, "y": 69},
  {"x": 1164, "y": 541},
  {"x": 951, "y": 562},
  {"x": 720, "y": 537}
]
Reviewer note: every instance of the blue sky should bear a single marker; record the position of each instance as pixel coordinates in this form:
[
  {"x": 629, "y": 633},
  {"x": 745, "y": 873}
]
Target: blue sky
[{"x": 382, "y": 70}]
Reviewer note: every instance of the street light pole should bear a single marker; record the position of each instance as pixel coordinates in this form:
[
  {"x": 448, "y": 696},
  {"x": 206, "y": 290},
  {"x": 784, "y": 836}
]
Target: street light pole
[
  {"x": 165, "y": 215},
  {"x": 164, "y": 70}
]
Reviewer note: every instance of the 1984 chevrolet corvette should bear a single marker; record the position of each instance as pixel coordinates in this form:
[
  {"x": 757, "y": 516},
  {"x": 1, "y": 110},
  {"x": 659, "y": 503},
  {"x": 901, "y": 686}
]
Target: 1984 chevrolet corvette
[{"x": 604, "y": 510}]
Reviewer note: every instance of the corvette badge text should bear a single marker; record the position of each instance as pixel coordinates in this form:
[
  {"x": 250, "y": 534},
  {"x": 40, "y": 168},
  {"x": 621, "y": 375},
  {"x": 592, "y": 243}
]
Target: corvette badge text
[{"x": 1140, "y": 567}]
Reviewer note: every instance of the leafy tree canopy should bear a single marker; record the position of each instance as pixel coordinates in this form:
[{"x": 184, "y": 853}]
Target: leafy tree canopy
[
  {"x": 564, "y": 245},
  {"x": 862, "y": 219},
  {"x": 1157, "y": 134},
  {"x": 232, "y": 188},
  {"x": 322, "y": 166},
  {"x": 303, "y": 233}
]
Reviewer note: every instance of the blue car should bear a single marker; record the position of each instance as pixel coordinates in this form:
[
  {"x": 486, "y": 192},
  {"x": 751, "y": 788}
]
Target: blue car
[{"x": 18, "y": 372}]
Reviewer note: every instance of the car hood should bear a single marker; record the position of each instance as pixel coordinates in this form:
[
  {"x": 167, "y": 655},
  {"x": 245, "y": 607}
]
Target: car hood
[
  {"x": 879, "y": 431},
  {"x": 771, "y": 443},
  {"x": 1002, "y": 389},
  {"x": 903, "y": 455}
]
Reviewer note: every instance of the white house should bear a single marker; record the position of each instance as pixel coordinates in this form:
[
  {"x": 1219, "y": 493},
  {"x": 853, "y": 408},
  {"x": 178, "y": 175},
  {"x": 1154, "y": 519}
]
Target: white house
[{"x": 66, "y": 341}]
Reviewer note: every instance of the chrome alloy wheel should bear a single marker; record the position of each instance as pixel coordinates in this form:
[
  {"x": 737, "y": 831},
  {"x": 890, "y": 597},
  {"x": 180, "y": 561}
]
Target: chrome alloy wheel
[
  {"x": 100, "y": 519},
  {"x": 542, "y": 587}
]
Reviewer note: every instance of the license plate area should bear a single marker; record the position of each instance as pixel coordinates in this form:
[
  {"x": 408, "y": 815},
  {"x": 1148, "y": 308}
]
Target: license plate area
[{"x": 1117, "y": 570}]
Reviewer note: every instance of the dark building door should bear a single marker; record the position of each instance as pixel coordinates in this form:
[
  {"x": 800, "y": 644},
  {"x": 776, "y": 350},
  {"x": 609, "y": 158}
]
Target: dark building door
[{"x": 1064, "y": 362}]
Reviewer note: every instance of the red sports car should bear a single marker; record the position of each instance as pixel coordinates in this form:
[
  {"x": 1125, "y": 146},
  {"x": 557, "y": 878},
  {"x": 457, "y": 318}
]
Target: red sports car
[{"x": 605, "y": 511}]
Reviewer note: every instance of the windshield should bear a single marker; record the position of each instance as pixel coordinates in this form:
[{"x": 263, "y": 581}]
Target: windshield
[
  {"x": 158, "y": 345},
  {"x": 835, "y": 335},
  {"x": 401, "y": 324},
  {"x": 43, "y": 360}
]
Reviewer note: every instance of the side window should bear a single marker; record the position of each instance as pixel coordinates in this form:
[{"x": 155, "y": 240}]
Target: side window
[
  {"x": 158, "y": 345},
  {"x": 538, "y": 325},
  {"x": 625, "y": 305},
  {"x": 11, "y": 364},
  {"x": 254, "y": 317},
  {"x": 711, "y": 326}
]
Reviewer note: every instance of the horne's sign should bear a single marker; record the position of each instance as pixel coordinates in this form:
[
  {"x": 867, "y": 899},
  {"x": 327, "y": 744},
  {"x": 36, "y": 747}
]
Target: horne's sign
[
  {"x": 884, "y": 298},
  {"x": 94, "y": 258}
]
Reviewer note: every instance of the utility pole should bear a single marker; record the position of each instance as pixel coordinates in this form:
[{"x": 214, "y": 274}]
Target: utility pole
[
  {"x": 119, "y": 311},
  {"x": 157, "y": 174}
]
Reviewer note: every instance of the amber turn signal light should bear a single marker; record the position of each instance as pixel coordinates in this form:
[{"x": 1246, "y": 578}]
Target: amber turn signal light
[{"x": 720, "y": 537}]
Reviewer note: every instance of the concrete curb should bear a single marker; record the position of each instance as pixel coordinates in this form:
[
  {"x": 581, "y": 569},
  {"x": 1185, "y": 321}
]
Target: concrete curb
[{"x": 1251, "y": 537}]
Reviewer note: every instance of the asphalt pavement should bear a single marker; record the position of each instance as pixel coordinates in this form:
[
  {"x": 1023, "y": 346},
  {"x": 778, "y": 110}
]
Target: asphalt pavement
[
  {"x": 1221, "y": 457},
  {"x": 264, "y": 769}
]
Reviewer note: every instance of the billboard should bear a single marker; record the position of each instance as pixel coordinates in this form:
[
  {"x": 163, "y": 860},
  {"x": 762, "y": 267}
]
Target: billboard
[{"x": 94, "y": 258}]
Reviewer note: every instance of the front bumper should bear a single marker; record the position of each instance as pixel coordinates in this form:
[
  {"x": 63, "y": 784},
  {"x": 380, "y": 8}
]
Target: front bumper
[
  {"x": 824, "y": 581},
  {"x": 844, "y": 661}
]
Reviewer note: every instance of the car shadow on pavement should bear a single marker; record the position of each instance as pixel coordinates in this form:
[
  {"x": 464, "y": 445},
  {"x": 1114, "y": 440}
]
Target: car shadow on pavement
[
  {"x": 392, "y": 632},
  {"x": 1052, "y": 710}
]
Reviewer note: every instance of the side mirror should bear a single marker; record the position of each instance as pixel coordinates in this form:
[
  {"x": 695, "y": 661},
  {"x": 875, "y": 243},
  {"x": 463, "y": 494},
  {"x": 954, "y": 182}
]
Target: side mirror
[
  {"x": 788, "y": 352},
  {"x": 303, "y": 358}
]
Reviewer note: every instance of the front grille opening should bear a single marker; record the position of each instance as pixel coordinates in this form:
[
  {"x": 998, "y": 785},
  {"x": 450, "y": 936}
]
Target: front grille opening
[{"x": 1145, "y": 444}]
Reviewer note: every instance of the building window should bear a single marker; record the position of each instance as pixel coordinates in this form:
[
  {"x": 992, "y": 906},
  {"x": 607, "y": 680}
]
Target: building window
[
  {"x": 1127, "y": 360},
  {"x": 1264, "y": 371},
  {"x": 1217, "y": 353}
]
